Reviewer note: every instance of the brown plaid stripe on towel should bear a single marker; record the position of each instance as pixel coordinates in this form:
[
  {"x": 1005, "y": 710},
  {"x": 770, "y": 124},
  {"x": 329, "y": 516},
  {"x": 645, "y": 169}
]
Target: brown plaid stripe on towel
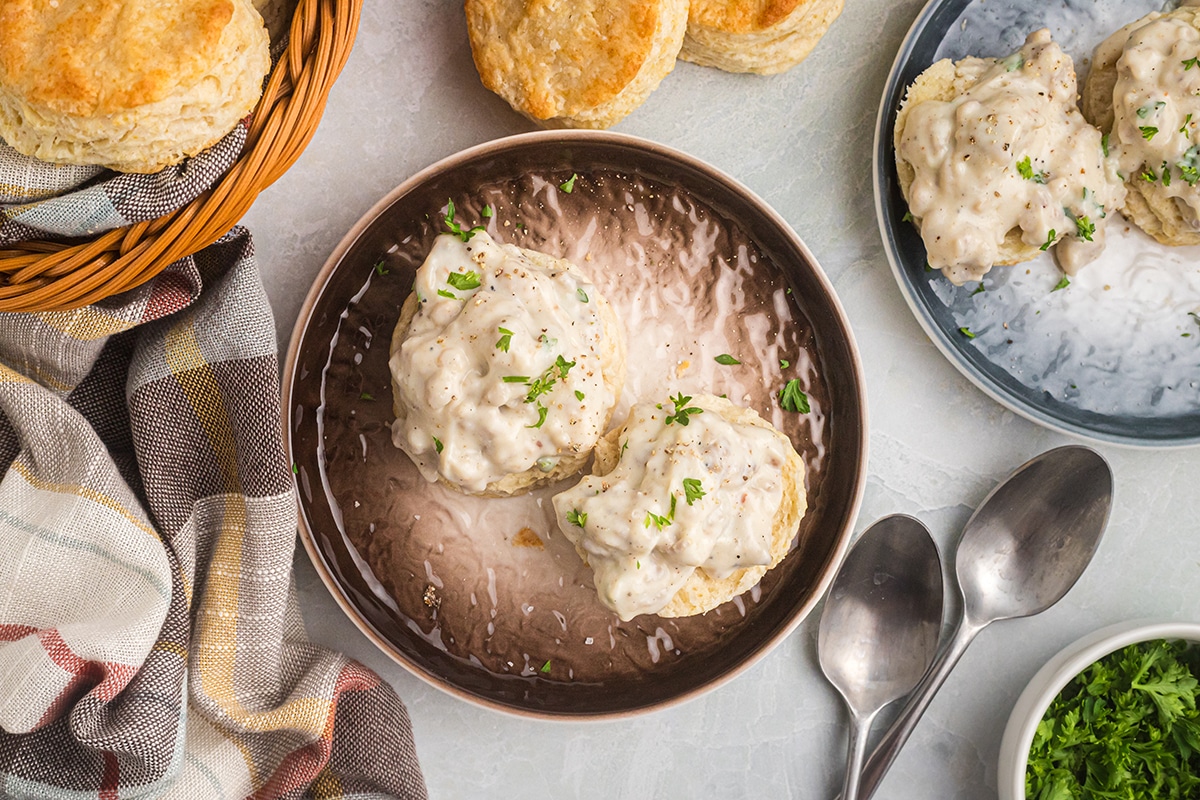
[{"x": 150, "y": 644}]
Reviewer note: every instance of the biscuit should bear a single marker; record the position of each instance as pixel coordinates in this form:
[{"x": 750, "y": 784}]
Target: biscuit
[
  {"x": 583, "y": 64},
  {"x": 943, "y": 81},
  {"x": 612, "y": 367},
  {"x": 1146, "y": 205},
  {"x": 134, "y": 86},
  {"x": 762, "y": 36},
  {"x": 702, "y": 592}
]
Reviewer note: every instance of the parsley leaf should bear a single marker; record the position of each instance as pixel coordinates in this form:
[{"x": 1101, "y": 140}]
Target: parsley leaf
[
  {"x": 1062, "y": 284},
  {"x": 488, "y": 212},
  {"x": 380, "y": 269},
  {"x": 1104, "y": 144},
  {"x": 1191, "y": 62},
  {"x": 437, "y": 444},
  {"x": 978, "y": 289},
  {"x": 545, "y": 668},
  {"x": 366, "y": 396},
  {"x": 464, "y": 281},
  {"x": 692, "y": 490},
  {"x": 726, "y": 359},
  {"x": 455, "y": 227},
  {"x": 505, "y": 339},
  {"x": 682, "y": 409},
  {"x": 1025, "y": 169},
  {"x": 784, "y": 363},
  {"x": 1148, "y": 175},
  {"x": 967, "y": 333},
  {"x": 541, "y": 409},
  {"x": 1148, "y": 132},
  {"x": 581, "y": 294},
  {"x": 1186, "y": 121},
  {"x": 568, "y": 185},
  {"x": 1050, "y": 237},
  {"x": 444, "y": 293},
  {"x": 1084, "y": 227},
  {"x": 792, "y": 398},
  {"x": 577, "y": 518},
  {"x": 658, "y": 521}
]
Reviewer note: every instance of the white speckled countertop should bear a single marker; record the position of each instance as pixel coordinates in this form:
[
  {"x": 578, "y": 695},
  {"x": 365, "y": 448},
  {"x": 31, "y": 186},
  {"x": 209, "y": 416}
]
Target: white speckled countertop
[{"x": 410, "y": 96}]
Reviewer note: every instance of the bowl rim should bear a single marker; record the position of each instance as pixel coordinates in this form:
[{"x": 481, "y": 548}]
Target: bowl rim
[
  {"x": 1055, "y": 674},
  {"x": 321, "y": 282}
]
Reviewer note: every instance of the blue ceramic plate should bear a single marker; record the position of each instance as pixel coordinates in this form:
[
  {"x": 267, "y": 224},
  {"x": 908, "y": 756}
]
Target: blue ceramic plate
[{"x": 1114, "y": 357}]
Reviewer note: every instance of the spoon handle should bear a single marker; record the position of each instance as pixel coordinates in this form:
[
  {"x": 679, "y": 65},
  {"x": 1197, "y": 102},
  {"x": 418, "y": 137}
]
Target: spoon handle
[
  {"x": 897, "y": 734},
  {"x": 860, "y": 730}
]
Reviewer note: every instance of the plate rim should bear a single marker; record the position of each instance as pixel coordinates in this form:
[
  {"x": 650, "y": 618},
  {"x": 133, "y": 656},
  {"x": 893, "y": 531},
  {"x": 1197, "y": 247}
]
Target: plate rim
[
  {"x": 940, "y": 337},
  {"x": 320, "y": 284}
]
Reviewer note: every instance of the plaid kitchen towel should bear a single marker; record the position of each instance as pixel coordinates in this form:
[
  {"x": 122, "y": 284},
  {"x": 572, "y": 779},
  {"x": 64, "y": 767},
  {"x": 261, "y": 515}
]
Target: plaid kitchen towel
[{"x": 150, "y": 644}]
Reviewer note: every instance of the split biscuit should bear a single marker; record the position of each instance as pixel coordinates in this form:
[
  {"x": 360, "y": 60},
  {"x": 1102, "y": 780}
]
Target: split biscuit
[
  {"x": 762, "y": 36},
  {"x": 134, "y": 86},
  {"x": 575, "y": 63},
  {"x": 1166, "y": 209}
]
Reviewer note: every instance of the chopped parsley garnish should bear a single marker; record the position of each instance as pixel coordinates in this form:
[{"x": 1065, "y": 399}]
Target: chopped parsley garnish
[
  {"x": 659, "y": 521},
  {"x": 581, "y": 294},
  {"x": 692, "y": 490},
  {"x": 546, "y": 667},
  {"x": 444, "y": 293},
  {"x": 437, "y": 444},
  {"x": 793, "y": 398},
  {"x": 568, "y": 185},
  {"x": 1050, "y": 237},
  {"x": 1191, "y": 62},
  {"x": 488, "y": 212},
  {"x": 1166, "y": 174},
  {"x": 784, "y": 363},
  {"x": 455, "y": 228},
  {"x": 1190, "y": 174},
  {"x": 1104, "y": 144},
  {"x": 380, "y": 269},
  {"x": 682, "y": 409},
  {"x": 1084, "y": 227},
  {"x": 978, "y": 289},
  {"x": 541, "y": 409},
  {"x": 366, "y": 396},
  {"x": 1186, "y": 121},
  {"x": 1148, "y": 131},
  {"x": 1025, "y": 168},
  {"x": 515, "y": 379},
  {"x": 1148, "y": 175},
  {"x": 295, "y": 468},
  {"x": 1062, "y": 284},
  {"x": 579, "y": 395},
  {"x": 1195, "y": 317},
  {"x": 464, "y": 281},
  {"x": 908, "y": 217},
  {"x": 966, "y": 332},
  {"x": 577, "y": 518},
  {"x": 727, "y": 360},
  {"x": 505, "y": 339}
]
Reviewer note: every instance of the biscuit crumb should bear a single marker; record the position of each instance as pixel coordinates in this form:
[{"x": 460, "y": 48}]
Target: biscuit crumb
[{"x": 527, "y": 538}]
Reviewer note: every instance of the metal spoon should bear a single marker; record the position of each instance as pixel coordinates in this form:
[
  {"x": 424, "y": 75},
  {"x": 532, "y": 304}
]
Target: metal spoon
[
  {"x": 879, "y": 630},
  {"x": 1020, "y": 552}
]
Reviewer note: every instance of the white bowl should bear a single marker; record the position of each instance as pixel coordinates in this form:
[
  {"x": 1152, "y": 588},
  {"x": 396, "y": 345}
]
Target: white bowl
[{"x": 1059, "y": 671}]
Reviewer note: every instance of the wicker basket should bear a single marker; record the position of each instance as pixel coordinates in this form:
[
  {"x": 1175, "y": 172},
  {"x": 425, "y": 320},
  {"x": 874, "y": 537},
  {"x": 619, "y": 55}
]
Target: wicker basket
[{"x": 52, "y": 276}]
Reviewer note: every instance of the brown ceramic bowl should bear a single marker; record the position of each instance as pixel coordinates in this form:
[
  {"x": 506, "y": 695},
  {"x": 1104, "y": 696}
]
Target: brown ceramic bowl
[{"x": 483, "y": 597}]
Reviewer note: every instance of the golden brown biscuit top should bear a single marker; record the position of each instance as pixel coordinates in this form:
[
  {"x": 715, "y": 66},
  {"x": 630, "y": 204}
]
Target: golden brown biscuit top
[
  {"x": 92, "y": 57},
  {"x": 742, "y": 16},
  {"x": 561, "y": 57}
]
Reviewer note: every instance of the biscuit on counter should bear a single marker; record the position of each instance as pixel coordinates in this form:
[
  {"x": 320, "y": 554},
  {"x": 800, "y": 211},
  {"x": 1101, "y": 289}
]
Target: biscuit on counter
[
  {"x": 134, "y": 86},
  {"x": 762, "y": 36},
  {"x": 583, "y": 64},
  {"x": 1165, "y": 209}
]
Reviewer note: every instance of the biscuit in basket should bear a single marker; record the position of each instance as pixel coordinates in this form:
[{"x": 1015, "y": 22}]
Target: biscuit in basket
[
  {"x": 762, "y": 36},
  {"x": 506, "y": 365},
  {"x": 1151, "y": 117},
  {"x": 583, "y": 64},
  {"x": 134, "y": 86},
  {"x": 671, "y": 510},
  {"x": 997, "y": 164}
]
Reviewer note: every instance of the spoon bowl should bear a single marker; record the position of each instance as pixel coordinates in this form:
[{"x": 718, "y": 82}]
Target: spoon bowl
[
  {"x": 880, "y": 625},
  {"x": 1023, "y": 549}
]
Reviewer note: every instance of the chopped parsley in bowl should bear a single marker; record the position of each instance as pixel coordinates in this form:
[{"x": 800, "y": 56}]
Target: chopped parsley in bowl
[{"x": 1112, "y": 716}]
